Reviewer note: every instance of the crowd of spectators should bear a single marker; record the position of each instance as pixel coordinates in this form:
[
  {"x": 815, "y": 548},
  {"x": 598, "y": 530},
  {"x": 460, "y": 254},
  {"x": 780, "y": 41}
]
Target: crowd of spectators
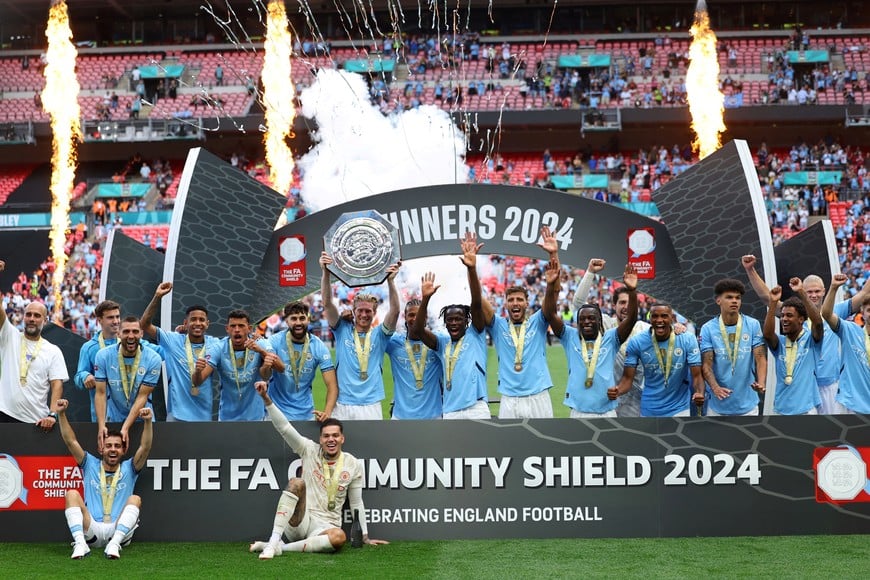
[{"x": 789, "y": 209}]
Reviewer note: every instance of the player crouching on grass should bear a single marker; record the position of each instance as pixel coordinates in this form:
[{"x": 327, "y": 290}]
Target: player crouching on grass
[
  {"x": 109, "y": 513},
  {"x": 309, "y": 510}
]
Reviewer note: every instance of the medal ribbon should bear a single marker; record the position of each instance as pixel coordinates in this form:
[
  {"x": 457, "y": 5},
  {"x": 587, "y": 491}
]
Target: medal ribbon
[
  {"x": 791, "y": 355},
  {"x": 417, "y": 366},
  {"x": 518, "y": 337},
  {"x": 128, "y": 379},
  {"x": 108, "y": 492},
  {"x": 867, "y": 346},
  {"x": 191, "y": 357},
  {"x": 26, "y": 359},
  {"x": 363, "y": 350},
  {"x": 452, "y": 355},
  {"x": 732, "y": 353},
  {"x": 330, "y": 477},
  {"x": 236, "y": 365},
  {"x": 297, "y": 359},
  {"x": 591, "y": 362},
  {"x": 665, "y": 365},
  {"x": 100, "y": 340}
]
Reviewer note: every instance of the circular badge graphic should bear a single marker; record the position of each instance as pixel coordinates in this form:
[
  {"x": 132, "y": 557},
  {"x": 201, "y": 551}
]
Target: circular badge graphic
[
  {"x": 841, "y": 474},
  {"x": 641, "y": 242},
  {"x": 11, "y": 482}
]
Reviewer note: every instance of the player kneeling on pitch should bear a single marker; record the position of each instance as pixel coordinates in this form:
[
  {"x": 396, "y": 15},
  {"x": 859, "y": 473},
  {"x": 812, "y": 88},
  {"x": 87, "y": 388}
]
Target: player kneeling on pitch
[
  {"x": 309, "y": 510},
  {"x": 109, "y": 513}
]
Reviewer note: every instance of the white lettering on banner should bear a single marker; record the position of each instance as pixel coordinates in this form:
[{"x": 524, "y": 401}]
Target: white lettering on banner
[
  {"x": 479, "y": 515},
  {"x": 9, "y": 220},
  {"x": 205, "y": 474},
  {"x": 398, "y": 516},
  {"x": 701, "y": 469},
  {"x": 450, "y": 222},
  {"x": 586, "y": 471},
  {"x": 431, "y": 473},
  {"x": 213, "y": 474},
  {"x": 561, "y": 514}
]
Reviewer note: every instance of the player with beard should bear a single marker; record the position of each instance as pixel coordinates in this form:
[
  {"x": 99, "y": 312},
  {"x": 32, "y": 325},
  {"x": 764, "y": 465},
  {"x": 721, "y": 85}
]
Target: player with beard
[
  {"x": 301, "y": 354},
  {"x": 589, "y": 349},
  {"x": 670, "y": 362},
  {"x": 828, "y": 361},
  {"x": 109, "y": 512},
  {"x": 309, "y": 510},
  {"x": 108, "y": 315},
  {"x": 462, "y": 351},
  {"x": 733, "y": 354},
  {"x": 795, "y": 350},
  {"x": 416, "y": 372},
  {"x": 126, "y": 375},
  {"x": 360, "y": 347},
  {"x": 32, "y": 370},
  {"x": 184, "y": 353},
  {"x": 240, "y": 360},
  {"x": 854, "y": 395},
  {"x": 520, "y": 341}
]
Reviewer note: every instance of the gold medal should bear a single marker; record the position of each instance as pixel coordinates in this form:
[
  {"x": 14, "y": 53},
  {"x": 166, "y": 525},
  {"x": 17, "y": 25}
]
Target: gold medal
[
  {"x": 330, "y": 505},
  {"x": 518, "y": 367},
  {"x": 363, "y": 376},
  {"x": 419, "y": 384},
  {"x": 588, "y": 383},
  {"x": 787, "y": 380},
  {"x": 449, "y": 385},
  {"x": 107, "y": 518}
]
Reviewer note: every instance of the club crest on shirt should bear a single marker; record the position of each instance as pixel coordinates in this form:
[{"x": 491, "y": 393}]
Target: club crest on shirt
[
  {"x": 344, "y": 477},
  {"x": 140, "y": 371},
  {"x": 678, "y": 352}
]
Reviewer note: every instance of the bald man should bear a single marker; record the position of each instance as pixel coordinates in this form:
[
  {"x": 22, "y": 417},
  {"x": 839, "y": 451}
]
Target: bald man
[{"x": 32, "y": 370}]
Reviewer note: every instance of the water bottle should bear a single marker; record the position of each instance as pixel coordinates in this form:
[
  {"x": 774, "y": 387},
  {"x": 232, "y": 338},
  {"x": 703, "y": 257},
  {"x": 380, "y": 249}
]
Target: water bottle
[{"x": 356, "y": 535}]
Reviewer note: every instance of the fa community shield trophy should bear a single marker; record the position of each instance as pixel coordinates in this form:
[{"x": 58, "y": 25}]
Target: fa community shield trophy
[{"x": 363, "y": 245}]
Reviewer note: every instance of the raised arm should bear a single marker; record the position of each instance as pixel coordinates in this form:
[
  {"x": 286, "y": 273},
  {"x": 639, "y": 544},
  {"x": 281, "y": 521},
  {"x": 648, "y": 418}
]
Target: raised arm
[
  {"x": 830, "y": 298},
  {"x": 330, "y": 310},
  {"x": 144, "y": 449},
  {"x": 66, "y": 432},
  {"x": 100, "y": 407},
  {"x": 279, "y": 421},
  {"x": 769, "y": 329},
  {"x": 145, "y": 321},
  {"x": 552, "y": 273},
  {"x": 418, "y": 329},
  {"x": 755, "y": 279},
  {"x": 392, "y": 316},
  {"x": 2, "y": 311},
  {"x": 858, "y": 299},
  {"x": 481, "y": 310},
  {"x": 629, "y": 278},
  {"x": 138, "y": 405},
  {"x": 818, "y": 327},
  {"x": 581, "y": 295}
]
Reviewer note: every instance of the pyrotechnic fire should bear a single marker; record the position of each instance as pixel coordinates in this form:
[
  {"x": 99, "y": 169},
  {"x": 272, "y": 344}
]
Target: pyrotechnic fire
[
  {"x": 277, "y": 99},
  {"x": 702, "y": 85},
  {"x": 60, "y": 101}
]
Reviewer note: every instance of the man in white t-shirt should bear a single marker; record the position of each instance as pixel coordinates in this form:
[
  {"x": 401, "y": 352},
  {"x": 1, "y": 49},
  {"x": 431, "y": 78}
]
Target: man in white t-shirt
[{"x": 32, "y": 370}]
